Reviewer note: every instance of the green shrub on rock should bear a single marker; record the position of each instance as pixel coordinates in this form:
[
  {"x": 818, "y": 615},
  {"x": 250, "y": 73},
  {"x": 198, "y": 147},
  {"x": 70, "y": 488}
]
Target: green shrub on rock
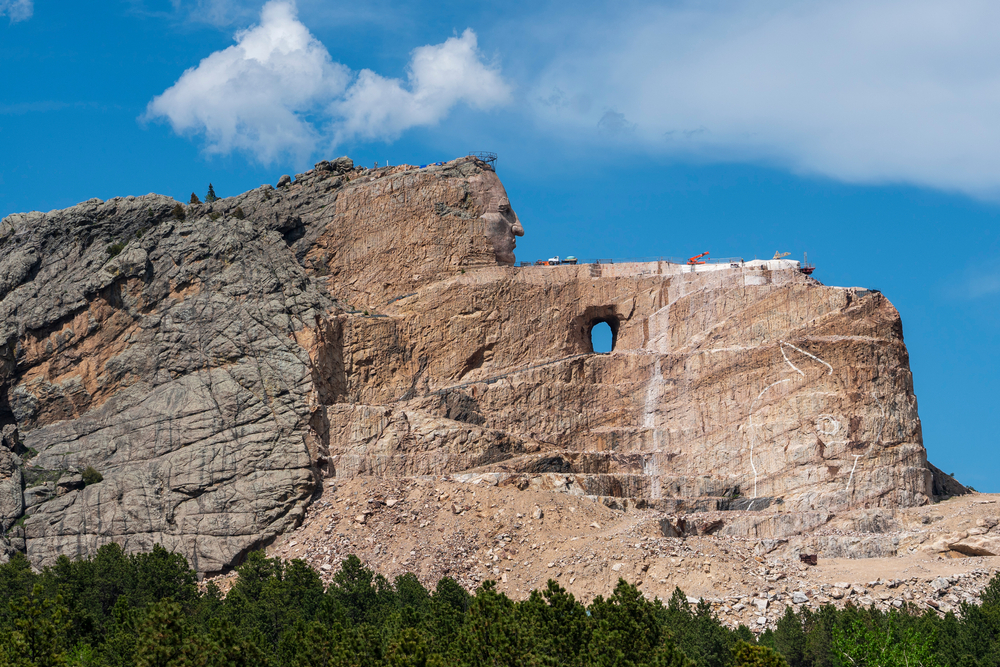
[{"x": 91, "y": 476}]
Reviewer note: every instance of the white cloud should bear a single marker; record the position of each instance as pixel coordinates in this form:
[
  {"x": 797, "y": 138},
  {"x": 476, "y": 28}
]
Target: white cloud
[
  {"x": 439, "y": 77},
  {"x": 255, "y": 96},
  {"x": 277, "y": 91},
  {"x": 17, "y": 10},
  {"x": 860, "y": 90}
]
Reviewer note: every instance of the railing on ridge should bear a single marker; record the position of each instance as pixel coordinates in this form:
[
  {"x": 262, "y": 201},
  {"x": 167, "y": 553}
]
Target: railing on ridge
[{"x": 637, "y": 260}]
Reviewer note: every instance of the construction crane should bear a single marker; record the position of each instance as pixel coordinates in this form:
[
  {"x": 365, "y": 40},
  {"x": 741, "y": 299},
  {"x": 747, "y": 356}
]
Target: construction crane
[
  {"x": 780, "y": 255},
  {"x": 695, "y": 260}
]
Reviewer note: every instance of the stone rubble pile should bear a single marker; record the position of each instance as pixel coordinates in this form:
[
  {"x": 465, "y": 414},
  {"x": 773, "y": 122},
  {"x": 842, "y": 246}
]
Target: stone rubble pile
[{"x": 437, "y": 527}]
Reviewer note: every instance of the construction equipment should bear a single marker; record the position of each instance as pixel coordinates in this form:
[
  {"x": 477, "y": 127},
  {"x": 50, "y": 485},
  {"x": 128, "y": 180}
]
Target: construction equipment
[
  {"x": 806, "y": 267},
  {"x": 780, "y": 255},
  {"x": 697, "y": 259},
  {"x": 556, "y": 261}
]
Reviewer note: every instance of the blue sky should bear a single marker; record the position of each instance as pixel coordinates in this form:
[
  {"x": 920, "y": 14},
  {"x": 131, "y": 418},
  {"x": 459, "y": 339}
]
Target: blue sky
[{"x": 863, "y": 133}]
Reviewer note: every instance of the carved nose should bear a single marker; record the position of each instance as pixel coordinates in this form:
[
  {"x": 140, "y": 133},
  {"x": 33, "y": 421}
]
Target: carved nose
[{"x": 517, "y": 228}]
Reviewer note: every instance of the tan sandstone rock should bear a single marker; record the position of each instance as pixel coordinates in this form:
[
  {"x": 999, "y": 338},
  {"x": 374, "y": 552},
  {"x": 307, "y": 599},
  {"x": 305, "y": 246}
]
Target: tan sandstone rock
[{"x": 374, "y": 323}]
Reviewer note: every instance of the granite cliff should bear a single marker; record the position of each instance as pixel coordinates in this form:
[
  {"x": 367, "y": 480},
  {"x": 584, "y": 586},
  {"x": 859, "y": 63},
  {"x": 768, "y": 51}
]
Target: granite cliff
[{"x": 214, "y": 362}]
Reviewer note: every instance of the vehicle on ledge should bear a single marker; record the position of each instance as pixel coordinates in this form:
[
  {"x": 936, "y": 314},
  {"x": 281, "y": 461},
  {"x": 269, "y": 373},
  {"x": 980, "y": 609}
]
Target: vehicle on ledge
[{"x": 555, "y": 261}]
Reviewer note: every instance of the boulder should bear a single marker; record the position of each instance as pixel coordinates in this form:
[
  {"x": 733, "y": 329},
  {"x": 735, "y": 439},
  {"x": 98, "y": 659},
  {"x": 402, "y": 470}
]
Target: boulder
[
  {"x": 131, "y": 262},
  {"x": 69, "y": 483},
  {"x": 940, "y": 584},
  {"x": 977, "y": 545},
  {"x": 37, "y": 495},
  {"x": 342, "y": 164}
]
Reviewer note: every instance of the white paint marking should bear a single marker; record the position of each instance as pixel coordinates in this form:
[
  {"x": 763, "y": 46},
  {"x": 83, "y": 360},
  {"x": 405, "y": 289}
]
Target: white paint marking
[
  {"x": 856, "y": 457},
  {"x": 812, "y": 356},
  {"x": 753, "y": 434},
  {"x": 834, "y": 424},
  {"x": 789, "y": 361}
]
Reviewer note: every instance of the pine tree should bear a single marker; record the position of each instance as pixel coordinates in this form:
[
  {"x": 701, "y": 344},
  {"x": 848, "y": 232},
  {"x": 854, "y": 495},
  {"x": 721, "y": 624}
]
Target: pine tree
[
  {"x": 194, "y": 199},
  {"x": 210, "y": 197},
  {"x": 747, "y": 655},
  {"x": 889, "y": 645},
  {"x": 790, "y": 639},
  {"x": 38, "y": 637}
]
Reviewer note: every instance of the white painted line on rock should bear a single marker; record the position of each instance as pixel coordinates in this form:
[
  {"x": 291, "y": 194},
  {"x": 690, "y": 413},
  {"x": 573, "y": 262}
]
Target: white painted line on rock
[
  {"x": 789, "y": 361},
  {"x": 782, "y": 343},
  {"x": 856, "y": 457}
]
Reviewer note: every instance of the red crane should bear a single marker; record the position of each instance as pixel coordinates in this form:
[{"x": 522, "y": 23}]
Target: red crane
[{"x": 694, "y": 260}]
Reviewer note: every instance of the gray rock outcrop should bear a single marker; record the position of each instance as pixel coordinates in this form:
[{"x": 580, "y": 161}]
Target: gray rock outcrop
[{"x": 171, "y": 368}]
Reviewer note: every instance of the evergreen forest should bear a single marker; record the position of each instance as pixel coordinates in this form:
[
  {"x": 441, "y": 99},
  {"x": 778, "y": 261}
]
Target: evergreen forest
[{"x": 147, "y": 609}]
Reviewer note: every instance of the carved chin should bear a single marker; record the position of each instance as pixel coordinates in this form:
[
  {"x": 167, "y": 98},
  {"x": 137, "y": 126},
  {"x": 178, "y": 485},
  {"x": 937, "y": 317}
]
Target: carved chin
[{"x": 505, "y": 256}]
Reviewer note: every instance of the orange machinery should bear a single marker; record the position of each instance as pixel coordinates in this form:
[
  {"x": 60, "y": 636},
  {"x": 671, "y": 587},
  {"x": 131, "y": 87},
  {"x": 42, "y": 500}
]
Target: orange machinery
[{"x": 695, "y": 260}]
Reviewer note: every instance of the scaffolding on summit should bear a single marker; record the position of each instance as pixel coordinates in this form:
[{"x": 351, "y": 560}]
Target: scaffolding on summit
[{"x": 488, "y": 158}]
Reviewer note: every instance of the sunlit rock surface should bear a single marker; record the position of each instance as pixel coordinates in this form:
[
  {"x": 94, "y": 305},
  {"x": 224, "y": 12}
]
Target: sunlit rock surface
[{"x": 356, "y": 322}]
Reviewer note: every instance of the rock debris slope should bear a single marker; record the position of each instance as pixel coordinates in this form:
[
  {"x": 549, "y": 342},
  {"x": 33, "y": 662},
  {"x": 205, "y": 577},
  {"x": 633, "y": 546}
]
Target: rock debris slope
[{"x": 214, "y": 362}]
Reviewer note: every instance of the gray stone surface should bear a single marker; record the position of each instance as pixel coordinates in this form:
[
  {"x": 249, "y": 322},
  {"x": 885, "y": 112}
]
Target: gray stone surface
[
  {"x": 940, "y": 584},
  {"x": 69, "y": 483},
  {"x": 171, "y": 368},
  {"x": 11, "y": 498},
  {"x": 342, "y": 164},
  {"x": 37, "y": 495}
]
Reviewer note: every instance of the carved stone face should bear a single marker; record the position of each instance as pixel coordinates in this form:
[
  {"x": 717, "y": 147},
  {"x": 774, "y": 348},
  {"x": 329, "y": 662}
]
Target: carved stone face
[{"x": 502, "y": 225}]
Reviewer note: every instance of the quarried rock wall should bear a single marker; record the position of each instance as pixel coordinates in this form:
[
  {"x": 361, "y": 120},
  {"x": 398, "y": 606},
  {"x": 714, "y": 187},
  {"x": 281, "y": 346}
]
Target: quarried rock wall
[{"x": 211, "y": 365}]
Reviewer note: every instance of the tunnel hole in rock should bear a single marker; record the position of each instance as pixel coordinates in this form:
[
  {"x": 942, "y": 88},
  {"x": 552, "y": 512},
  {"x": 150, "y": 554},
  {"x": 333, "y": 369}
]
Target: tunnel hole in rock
[
  {"x": 601, "y": 337},
  {"x": 603, "y": 334}
]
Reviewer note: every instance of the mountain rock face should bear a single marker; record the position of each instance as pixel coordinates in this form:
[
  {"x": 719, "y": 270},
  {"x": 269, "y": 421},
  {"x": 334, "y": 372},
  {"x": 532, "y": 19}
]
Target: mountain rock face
[{"x": 355, "y": 322}]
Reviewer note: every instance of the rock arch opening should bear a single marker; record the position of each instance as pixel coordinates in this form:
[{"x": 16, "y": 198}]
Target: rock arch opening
[
  {"x": 602, "y": 334},
  {"x": 600, "y": 338}
]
